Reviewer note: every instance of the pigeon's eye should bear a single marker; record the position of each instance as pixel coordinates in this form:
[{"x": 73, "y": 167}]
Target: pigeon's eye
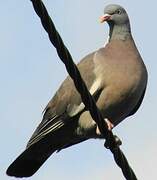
[{"x": 118, "y": 11}]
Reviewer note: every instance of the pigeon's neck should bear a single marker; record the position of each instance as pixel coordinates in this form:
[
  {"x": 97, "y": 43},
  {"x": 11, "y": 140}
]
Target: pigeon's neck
[{"x": 119, "y": 32}]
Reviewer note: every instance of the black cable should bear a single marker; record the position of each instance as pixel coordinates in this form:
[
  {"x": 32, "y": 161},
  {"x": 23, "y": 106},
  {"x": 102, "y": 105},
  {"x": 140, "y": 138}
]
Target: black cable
[{"x": 111, "y": 141}]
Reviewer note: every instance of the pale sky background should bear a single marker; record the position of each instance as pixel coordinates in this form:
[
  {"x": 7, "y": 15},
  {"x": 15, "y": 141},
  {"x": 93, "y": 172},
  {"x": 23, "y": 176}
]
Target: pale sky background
[{"x": 30, "y": 73}]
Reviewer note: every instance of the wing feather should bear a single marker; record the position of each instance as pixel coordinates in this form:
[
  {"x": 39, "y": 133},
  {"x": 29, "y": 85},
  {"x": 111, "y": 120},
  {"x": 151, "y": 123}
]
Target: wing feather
[
  {"x": 46, "y": 128},
  {"x": 67, "y": 102}
]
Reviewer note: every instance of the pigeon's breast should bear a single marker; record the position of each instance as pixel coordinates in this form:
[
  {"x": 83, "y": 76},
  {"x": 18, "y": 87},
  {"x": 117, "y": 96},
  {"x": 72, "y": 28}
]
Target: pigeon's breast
[{"x": 125, "y": 78}]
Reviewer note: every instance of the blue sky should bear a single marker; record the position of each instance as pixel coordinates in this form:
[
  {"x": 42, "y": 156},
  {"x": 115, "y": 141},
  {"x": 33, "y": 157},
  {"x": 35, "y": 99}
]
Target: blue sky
[{"x": 30, "y": 73}]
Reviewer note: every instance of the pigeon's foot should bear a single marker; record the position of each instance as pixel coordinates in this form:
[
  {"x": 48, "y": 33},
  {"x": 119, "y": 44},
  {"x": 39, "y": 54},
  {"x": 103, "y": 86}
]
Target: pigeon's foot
[{"x": 109, "y": 125}]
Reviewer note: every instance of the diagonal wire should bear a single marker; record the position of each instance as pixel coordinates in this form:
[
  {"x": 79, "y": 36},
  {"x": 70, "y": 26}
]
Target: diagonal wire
[{"x": 111, "y": 141}]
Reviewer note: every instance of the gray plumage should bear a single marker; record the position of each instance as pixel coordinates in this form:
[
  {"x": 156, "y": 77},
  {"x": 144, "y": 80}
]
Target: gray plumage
[{"x": 116, "y": 77}]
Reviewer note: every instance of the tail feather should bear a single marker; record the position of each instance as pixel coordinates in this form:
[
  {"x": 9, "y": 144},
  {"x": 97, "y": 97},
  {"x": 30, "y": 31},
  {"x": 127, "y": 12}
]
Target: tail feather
[
  {"x": 29, "y": 161},
  {"x": 22, "y": 167},
  {"x": 36, "y": 154}
]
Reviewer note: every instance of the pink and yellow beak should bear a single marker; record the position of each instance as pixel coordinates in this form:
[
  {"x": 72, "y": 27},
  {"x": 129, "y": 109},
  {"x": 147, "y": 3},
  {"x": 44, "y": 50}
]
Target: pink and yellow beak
[{"x": 104, "y": 18}]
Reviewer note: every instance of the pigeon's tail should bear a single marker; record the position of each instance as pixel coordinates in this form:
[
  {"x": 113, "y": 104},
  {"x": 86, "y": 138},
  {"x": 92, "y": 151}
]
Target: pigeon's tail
[
  {"x": 30, "y": 161},
  {"x": 49, "y": 137},
  {"x": 37, "y": 152}
]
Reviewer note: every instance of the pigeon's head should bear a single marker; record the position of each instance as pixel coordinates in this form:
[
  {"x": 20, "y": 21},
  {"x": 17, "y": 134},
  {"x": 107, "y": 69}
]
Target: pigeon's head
[
  {"x": 114, "y": 14},
  {"x": 117, "y": 18}
]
